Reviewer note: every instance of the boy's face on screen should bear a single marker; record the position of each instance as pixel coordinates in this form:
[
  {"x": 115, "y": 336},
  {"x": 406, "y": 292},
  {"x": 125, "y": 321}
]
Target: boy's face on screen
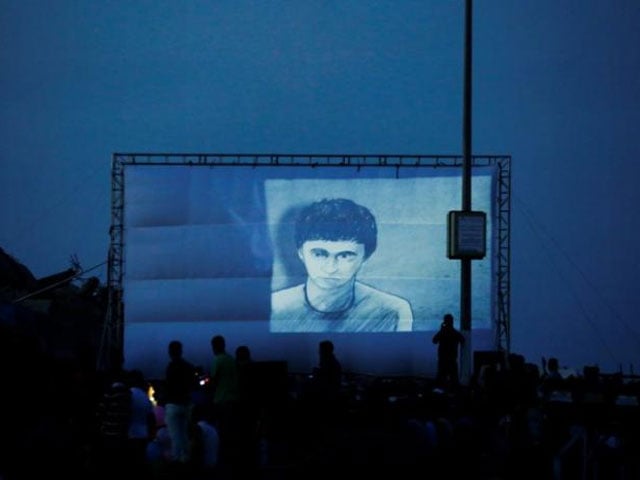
[{"x": 331, "y": 264}]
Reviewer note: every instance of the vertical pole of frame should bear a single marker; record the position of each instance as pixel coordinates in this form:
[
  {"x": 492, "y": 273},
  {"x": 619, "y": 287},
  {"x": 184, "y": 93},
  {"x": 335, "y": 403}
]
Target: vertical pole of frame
[{"x": 465, "y": 263}]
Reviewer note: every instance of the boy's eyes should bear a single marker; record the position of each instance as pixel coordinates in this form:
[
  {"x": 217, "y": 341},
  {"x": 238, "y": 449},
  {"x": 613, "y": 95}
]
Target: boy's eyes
[{"x": 319, "y": 253}]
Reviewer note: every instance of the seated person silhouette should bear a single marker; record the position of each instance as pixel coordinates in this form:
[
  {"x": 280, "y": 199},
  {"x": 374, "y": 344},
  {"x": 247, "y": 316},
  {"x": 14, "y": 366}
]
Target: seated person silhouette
[{"x": 334, "y": 238}]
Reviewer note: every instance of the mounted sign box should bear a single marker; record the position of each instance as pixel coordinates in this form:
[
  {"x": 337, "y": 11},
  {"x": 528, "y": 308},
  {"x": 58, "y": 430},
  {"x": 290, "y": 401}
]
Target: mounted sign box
[{"x": 466, "y": 234}]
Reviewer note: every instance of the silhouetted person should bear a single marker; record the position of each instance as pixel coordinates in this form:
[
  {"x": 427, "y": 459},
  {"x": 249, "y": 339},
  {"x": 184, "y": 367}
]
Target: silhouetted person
[
  {"x": 328, "y": 374},
  {"x": 553, "y": 369},
  {"x": 243, "y": 355},
  {"x": 224, "y": 382},
  {"x": 320, "y": 400},
  {"x": 327, "y": 379},
  {"x": 551, "y": 379},
  {"x": 244, "y": 365},
  {"x": 448, "y": 340},
  {"x": 246, "y": 381},
  {"x": 142, "y": 423},
  {"x": 180, "y": 379},
  {"x": 247, "y": 409},
  {"x": 205, "y": 445}
]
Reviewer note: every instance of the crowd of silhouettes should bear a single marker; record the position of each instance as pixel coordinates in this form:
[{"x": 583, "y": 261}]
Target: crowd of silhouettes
[{"x": 511, "y": 418}]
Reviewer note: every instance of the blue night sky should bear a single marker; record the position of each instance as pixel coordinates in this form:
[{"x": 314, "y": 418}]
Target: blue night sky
[{"x": 556, "y": 85}]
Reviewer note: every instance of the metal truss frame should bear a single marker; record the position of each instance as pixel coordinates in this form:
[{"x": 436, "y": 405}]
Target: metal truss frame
[{"x": 112, "y": 336}]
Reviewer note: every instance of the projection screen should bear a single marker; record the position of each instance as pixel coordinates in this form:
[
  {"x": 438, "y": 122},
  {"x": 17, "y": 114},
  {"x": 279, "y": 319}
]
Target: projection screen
[{"x": 208, "y": 246}]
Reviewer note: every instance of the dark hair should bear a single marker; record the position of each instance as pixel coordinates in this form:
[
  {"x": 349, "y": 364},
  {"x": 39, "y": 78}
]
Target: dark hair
[
  {"x": 326, "y": 347},
  {"x": 218, "y": 344},
  {"x": 337, "y": 219},
  {"x": 243, "y": 354},
  {"x": 175, "y": 349}
]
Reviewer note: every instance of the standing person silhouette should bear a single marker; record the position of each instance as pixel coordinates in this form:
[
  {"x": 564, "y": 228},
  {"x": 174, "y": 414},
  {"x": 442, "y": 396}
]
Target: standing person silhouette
[
  {"x": 448, "y": 339},
  {"x": 179, "y": 384},
  {"x": 224, "y": 382},
  {"x": 328, "y": 373},
  {"x": 325, "y": 388}
]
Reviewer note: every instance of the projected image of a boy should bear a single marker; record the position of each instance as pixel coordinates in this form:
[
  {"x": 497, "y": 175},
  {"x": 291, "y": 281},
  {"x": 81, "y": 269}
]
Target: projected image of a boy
[{"x": 334, "y": 238}]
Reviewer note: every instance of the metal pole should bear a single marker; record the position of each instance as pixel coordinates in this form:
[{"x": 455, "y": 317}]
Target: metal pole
[{"x": 465, "y": 265}]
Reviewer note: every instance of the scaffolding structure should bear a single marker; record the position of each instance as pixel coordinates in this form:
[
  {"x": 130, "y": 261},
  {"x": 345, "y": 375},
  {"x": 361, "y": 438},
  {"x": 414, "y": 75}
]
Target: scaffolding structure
[{"x": 111, "y": 344}]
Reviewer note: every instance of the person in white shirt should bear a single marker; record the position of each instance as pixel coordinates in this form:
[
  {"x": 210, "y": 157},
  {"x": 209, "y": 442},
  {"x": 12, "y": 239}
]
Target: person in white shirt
[{"x": 141, "y": 422}]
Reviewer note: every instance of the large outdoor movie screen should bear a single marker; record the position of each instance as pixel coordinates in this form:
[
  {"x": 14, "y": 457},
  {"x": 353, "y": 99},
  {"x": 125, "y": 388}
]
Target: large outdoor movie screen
[{"x": 281, "y": 257}]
